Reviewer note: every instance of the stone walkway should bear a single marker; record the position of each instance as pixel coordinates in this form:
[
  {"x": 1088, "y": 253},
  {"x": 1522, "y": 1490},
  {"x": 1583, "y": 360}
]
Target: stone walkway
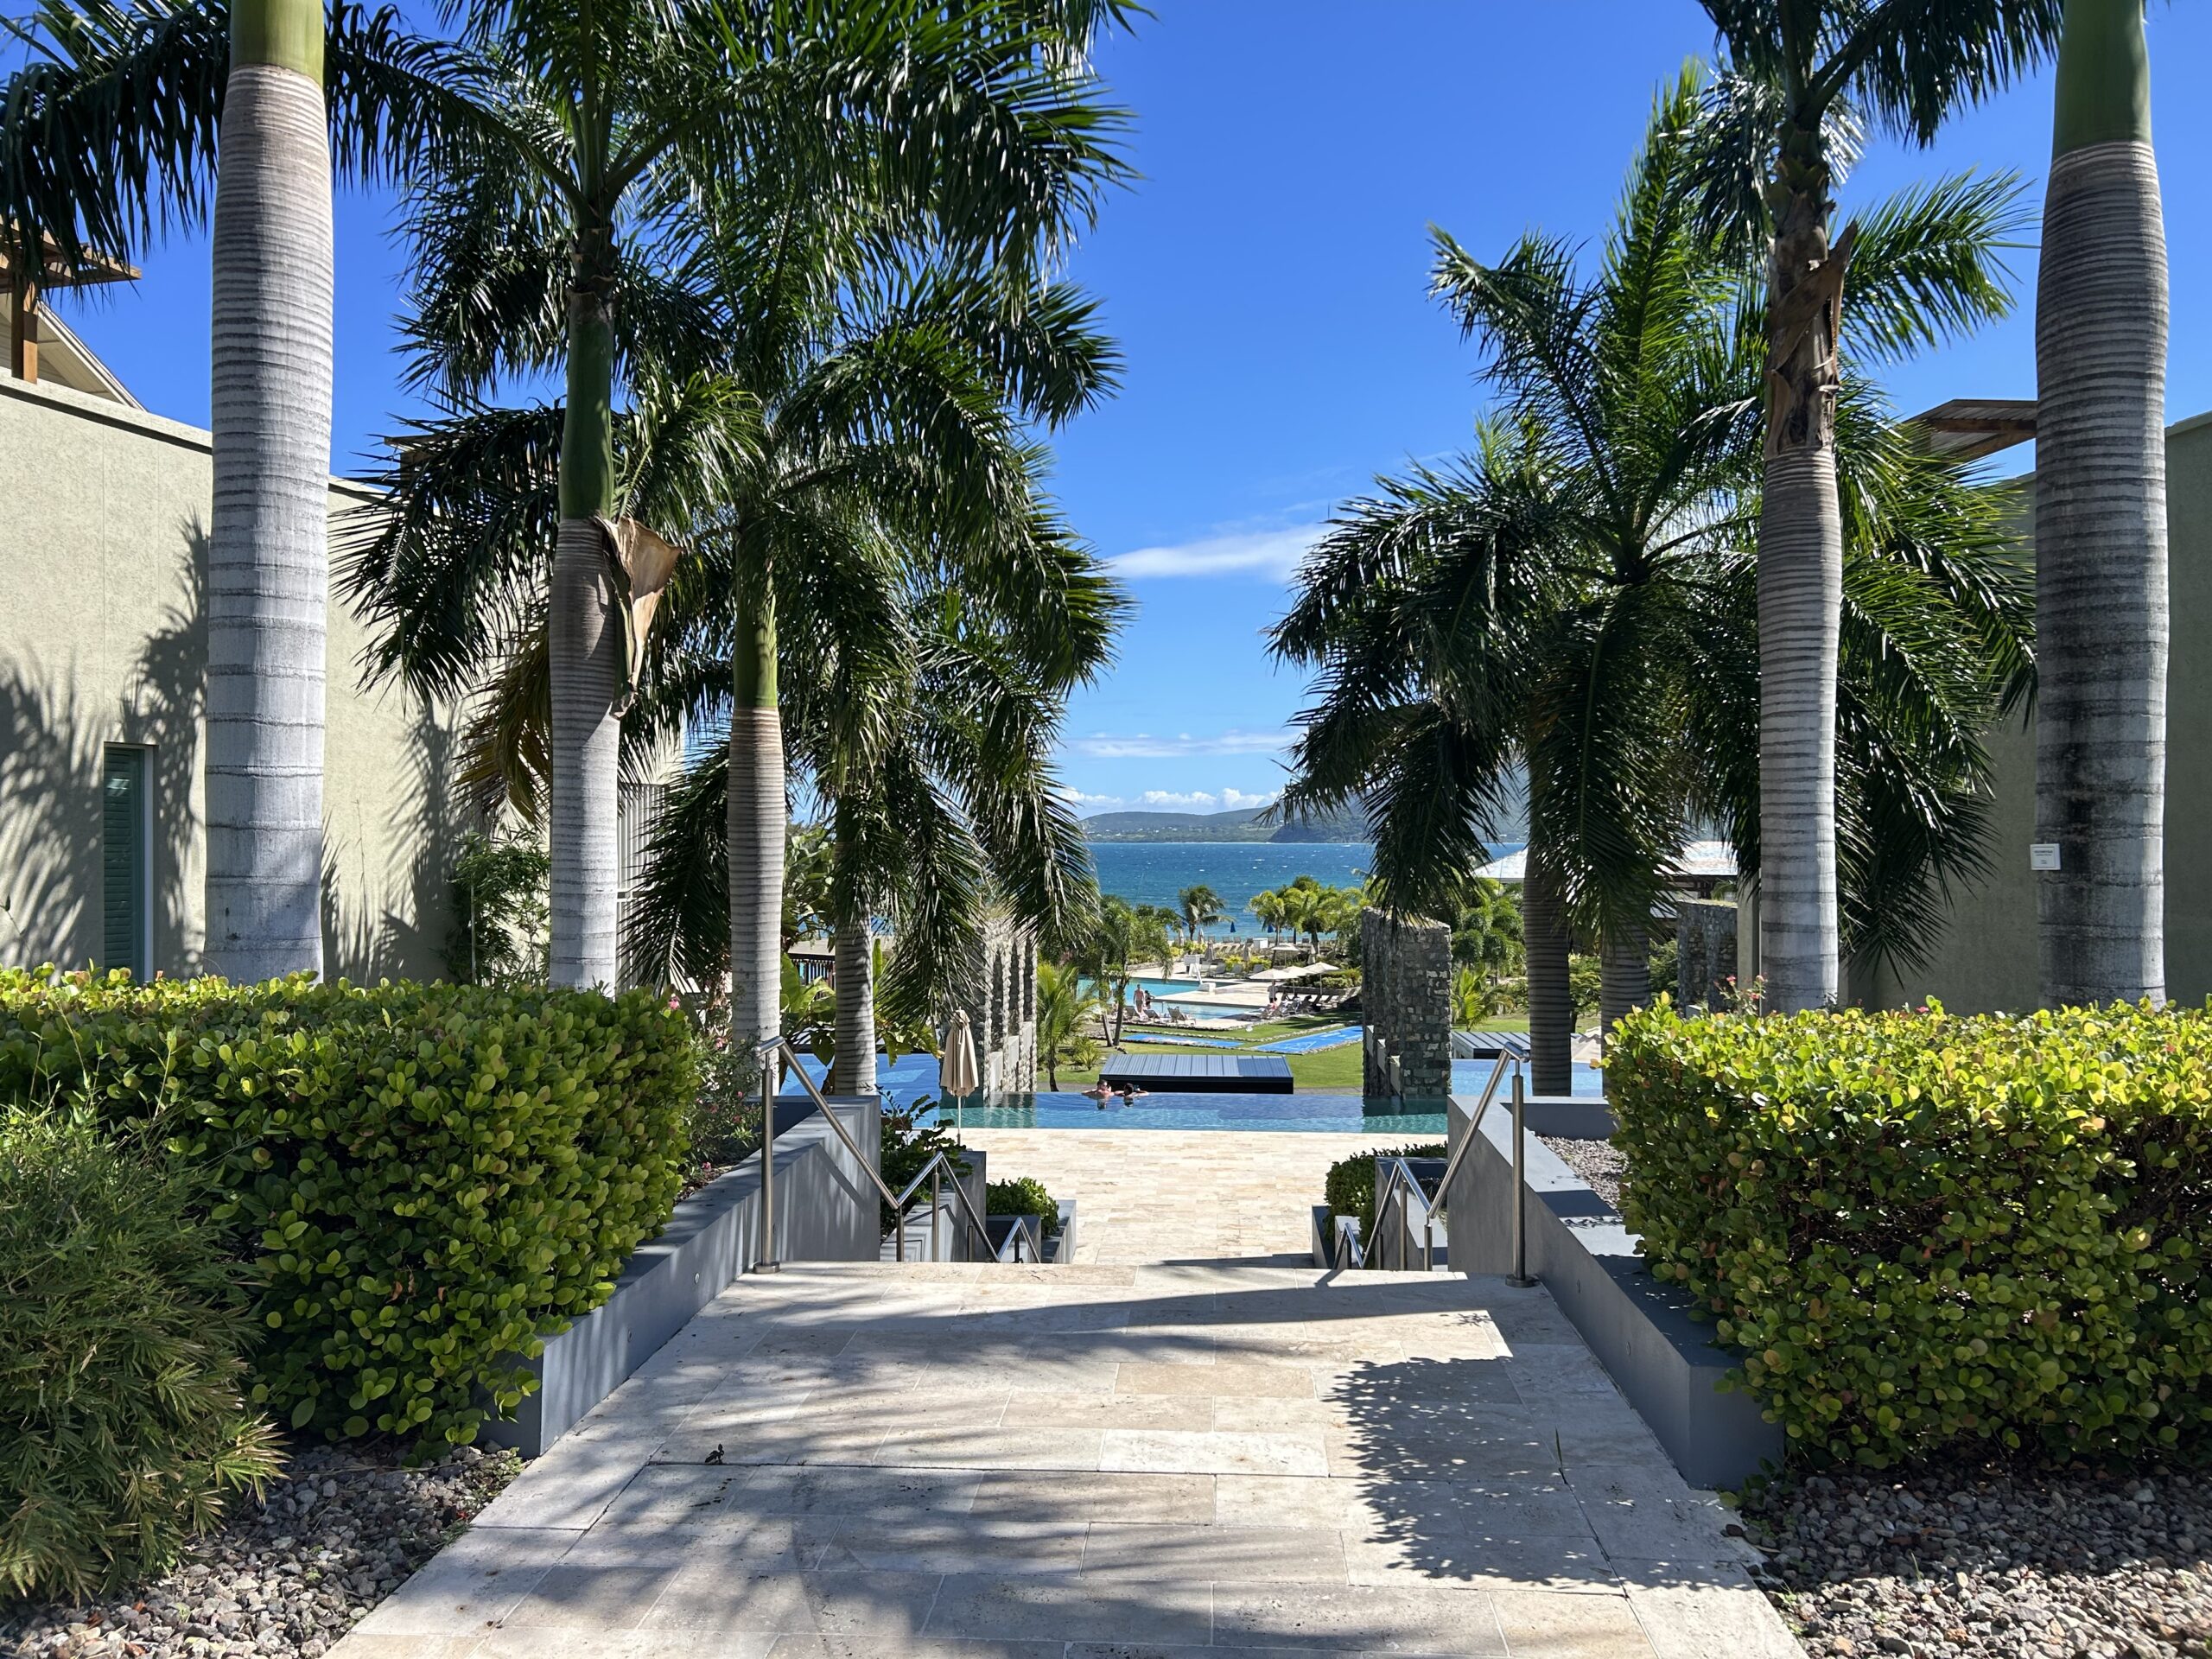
[{"x": 1188, "y": 1440}]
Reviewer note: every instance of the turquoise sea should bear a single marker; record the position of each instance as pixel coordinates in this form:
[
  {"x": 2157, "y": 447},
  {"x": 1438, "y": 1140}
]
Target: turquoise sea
[{"x": 1153, "y": 871}]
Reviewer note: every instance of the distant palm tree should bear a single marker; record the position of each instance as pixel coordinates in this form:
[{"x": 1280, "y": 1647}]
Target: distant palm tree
[
  {"x": 2101, "y": 523},
  {"x": 1066, "y": 1008},
  {"x": 112, "y": 131},
  {"x": 1201, "y": 907},
  {"x": 1801, "y": 80}
]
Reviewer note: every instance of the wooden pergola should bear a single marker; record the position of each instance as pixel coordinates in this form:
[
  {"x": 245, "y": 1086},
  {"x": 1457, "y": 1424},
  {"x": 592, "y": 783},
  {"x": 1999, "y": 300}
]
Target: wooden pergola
[{"x": 54, "y": 271}]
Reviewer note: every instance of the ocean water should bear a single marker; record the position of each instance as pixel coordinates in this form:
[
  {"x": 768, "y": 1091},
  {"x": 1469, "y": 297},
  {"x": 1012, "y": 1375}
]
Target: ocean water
[{"x": 1153, "y": 871}]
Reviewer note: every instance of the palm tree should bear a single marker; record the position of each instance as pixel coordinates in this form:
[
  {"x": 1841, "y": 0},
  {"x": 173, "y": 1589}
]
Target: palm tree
[
  {"x": 1065, "y": 1007},
  {"x": 953, "y": 809},
  {"x": 1801, "y": 79},
  {"x": 1266, "y": 909},
  {"x": 1122, "y": 936},
  {"x": 112, "y": 130},
  {"x": 2101, "y": 523},
  {"x": 1577, "y": 601},
  {"x": 1201, "y": 908},
  {"x": 628, "y": 136}
]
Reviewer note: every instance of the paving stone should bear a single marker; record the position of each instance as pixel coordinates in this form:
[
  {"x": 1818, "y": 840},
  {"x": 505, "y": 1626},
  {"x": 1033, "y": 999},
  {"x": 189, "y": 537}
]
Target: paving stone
[
  {"x": 1253, "y": 1554},
  {"x": 1190, "y": 1444},
  {"x": 1072, "y": 1608},
  {"x": 471, "y": 1584},
  {"x": 1412, "y": 1619},
  {"x": 1168, "y": 1450}
]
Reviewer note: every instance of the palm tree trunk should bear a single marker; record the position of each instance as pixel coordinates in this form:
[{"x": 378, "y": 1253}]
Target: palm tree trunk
[
  {"x": 2101, "y": 620},
  {"x": 1624, "y": 967},
  {"x": 268, "y": 561},
  {"x": 584, "y": 645},
  {"x": 1551, "y": 1007},
  {"x": 1801, "y": 608},
  {"x": 757, "y": 820},
  {"x": 853, "y": 1071}
]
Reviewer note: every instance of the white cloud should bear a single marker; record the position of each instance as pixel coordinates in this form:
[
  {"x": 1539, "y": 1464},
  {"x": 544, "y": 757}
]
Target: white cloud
[
  {"x": 1227, "y": 799},
  {"x": 1199, "y": 800},
  {"x": 1271, "y": 553},
  {"x": 1144, "y": 745}
]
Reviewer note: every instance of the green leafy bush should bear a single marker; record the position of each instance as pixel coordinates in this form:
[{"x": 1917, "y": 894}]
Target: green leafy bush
[
  {"x": 425, "y": 1181},
  {"x": 1349, "y": 1188},
  {"x": 1024, "y": 1195},
  {"x": 500, "y": 914},
  {"x": 1923, "y": 1230},
  {"x": 723, "y": 1126},
  {"x": 908, "y": 1145},
  {"x": 122, "y": 1422}
]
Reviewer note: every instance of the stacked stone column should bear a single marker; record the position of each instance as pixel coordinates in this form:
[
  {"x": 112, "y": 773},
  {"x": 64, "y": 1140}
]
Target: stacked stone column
[{"x": 1405, "y": 997}]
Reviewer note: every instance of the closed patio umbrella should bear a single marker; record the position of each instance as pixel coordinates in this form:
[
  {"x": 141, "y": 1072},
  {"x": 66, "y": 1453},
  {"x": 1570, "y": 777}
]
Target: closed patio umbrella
[{"x": 956, "y": 1073}]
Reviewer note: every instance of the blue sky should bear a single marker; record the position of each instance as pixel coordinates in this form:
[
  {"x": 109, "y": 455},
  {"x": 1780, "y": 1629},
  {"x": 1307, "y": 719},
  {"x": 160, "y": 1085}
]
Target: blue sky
[{"x": 1265, "y": 277}]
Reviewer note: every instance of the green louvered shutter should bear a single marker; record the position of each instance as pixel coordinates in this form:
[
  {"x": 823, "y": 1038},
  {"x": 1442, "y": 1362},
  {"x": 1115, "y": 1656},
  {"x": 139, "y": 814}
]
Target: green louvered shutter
[{"x": 124, "y": 860}]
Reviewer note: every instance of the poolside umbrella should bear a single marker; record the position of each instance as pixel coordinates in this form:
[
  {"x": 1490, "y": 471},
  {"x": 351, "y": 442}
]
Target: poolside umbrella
[{"x": 957, "y": 1072}]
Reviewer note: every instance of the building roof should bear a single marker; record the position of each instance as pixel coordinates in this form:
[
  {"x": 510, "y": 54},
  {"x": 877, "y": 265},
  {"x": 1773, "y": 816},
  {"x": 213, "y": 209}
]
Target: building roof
[
  {"x": 1967, "y": 429},
  {"x": 63, "y": 360},
  {"x": 1699, "y": 860}
]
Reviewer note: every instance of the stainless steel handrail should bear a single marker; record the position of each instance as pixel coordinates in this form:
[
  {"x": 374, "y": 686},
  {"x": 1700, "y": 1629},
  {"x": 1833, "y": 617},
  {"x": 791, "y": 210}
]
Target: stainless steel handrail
[
  {"x": 940, "y": 1166},
  {"x": 1395, "y": 1179}
]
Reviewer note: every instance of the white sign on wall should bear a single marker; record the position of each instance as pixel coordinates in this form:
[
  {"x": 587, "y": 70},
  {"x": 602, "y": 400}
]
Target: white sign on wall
[{"x": 2043, "y": 855}]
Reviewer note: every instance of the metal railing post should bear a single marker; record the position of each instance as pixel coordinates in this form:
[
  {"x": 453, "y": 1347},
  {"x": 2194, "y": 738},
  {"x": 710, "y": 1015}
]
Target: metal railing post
[
  {"x": 937, "y": 1196},
  {"x": 1520, "y": 1275},
  {"x": 766, "y": 1262}
]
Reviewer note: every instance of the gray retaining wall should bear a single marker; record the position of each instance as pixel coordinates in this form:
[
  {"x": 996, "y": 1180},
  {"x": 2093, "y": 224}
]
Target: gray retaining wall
[
  {"x": 1667, "y": 1363},
  {"x": 825, "y": 1211}
]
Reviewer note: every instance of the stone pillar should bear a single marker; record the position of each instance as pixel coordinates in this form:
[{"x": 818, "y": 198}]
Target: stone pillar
[
  {"x": 1406, "y": 999},
  {"x": 1705, "y": 940},
  {"x": 1005, "y": 1023}
]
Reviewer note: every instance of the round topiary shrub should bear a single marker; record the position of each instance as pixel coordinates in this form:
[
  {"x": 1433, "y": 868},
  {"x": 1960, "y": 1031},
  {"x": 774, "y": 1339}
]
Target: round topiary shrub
[{"x": 123, "y": 1423}]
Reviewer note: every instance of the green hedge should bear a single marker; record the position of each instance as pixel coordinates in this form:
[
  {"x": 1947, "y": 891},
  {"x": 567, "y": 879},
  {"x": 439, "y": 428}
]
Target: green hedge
[
  {"x": 123, "y": 1424},
  {"x": 1922, "y": 1229},
  {"x": 1023, "y": 1195},
  {"x": 427, "y": 1179},
  {"x": 1349, "y": 1187}
]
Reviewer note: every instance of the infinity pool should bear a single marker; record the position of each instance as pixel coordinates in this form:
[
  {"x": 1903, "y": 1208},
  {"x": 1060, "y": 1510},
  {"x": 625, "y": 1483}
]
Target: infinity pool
[{"x": 913, "y": 1080}]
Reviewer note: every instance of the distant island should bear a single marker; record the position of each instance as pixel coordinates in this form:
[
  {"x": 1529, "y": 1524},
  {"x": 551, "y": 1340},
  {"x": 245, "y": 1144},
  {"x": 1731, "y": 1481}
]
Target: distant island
[{"x": 1248, "y": 824}]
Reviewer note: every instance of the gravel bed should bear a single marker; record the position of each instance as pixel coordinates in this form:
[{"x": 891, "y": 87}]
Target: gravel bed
[
  {"x": 1991, "y": 1560},
  {"x": 284, "y": 1579},
  {"x": 1596, "y": 1161}
]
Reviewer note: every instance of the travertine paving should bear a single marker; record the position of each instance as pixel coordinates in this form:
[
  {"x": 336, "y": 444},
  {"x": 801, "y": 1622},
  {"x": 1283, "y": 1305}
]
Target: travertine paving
[{"x": 1187, "y": 1440}]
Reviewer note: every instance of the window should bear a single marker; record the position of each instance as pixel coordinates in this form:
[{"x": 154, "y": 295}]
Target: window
[{"x": 126, "y": 862}]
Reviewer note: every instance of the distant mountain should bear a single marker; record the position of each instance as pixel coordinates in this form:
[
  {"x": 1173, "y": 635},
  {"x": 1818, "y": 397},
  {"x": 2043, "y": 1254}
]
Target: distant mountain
[
  {"x": 1346, "y": 824},
  {"x": 1244, "y": 825},
  {"x": 1178, "y": 826}
]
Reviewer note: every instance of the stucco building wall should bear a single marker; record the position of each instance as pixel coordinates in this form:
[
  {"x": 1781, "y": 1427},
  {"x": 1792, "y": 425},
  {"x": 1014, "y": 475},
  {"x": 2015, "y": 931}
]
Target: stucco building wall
[
  {"x": 104, "y": 511},
  {"x": 1987, "y": 958}
]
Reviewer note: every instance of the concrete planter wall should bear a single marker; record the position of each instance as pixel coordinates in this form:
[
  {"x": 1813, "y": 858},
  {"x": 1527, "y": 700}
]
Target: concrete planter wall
[
  {"x": 1667, "y": 1363},
  {"x": 825, "y": 1211}
]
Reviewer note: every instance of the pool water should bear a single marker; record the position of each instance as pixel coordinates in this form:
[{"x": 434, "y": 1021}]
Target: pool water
[
  {"x": 1309, "y": 1042},
  {"x": 912, "y": 1078},
  {"x": 1157, "y": 986}
]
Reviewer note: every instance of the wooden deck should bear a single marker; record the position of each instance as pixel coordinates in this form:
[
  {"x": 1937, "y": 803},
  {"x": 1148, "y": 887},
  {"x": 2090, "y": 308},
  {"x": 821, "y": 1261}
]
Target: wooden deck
[{"x": 1199, "y": 1074}]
